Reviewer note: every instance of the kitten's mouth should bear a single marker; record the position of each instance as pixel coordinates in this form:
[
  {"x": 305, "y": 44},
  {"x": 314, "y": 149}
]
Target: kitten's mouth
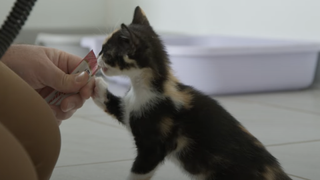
[{"x": 104, "y": 69}]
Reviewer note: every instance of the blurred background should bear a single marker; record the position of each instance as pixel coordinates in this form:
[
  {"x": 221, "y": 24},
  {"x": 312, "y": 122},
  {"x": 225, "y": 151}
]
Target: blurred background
[
  {"x": 293, "y": 19},
  {"x": 63, "y": 24},
  {"x": 247, "y": 49}
]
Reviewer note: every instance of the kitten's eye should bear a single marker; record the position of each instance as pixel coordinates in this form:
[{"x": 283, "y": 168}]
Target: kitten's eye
[{"x": 124, "y": 39}]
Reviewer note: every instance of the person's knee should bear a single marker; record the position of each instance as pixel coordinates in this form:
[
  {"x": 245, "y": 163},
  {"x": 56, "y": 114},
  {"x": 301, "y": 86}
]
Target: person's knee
[
  {"x": 31, "y": 121},
  {"x": 44, "y": 149},
  {"x": 14, "y": 158},
  {"x": 40, "y": 136},
  {"x": 43, "y": 144}
]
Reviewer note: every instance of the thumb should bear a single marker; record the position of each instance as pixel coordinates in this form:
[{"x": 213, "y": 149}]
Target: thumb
[{"x": 69, "y": 83}]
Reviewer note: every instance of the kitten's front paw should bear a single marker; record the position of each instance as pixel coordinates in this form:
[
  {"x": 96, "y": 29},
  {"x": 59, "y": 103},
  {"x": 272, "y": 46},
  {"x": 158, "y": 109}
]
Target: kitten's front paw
[{"x": 100, "y": 92}]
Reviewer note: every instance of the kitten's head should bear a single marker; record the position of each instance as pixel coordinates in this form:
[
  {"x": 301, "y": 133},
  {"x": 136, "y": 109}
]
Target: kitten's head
[{"x": 132, "y": 49}]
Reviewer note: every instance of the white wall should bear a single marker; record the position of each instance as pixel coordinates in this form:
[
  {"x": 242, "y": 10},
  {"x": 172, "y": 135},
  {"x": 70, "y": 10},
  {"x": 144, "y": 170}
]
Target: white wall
[
  {"x": 296, "y": 19},
  {"x": 66, "y": 14}
]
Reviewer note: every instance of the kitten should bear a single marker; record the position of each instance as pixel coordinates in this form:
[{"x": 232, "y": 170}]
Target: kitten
[{"x": 171, "y": 120}]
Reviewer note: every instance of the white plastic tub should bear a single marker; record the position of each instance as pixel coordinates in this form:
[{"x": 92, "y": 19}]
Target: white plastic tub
[{"x": 224, "y": 65}]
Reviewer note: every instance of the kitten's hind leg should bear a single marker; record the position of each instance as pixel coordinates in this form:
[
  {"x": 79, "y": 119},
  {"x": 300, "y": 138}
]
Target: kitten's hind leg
[
  {"x": 148, "y": 159},
  {"x": 110, "y": 103}
]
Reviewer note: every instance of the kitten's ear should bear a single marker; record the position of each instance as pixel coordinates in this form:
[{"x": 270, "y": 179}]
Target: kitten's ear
[
  {"x": 133, "y": 39},
  {"x": 140, "y": 17}
]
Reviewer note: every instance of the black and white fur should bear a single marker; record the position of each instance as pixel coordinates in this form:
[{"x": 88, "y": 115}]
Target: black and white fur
[{"x": 171, "y": 120}]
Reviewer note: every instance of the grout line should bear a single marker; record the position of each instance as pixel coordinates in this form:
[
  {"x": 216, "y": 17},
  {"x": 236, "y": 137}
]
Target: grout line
[
  {"x": 298, "y": 177},
  {"x": 290, "y": 143},
  {"x": 124, "y": 160},
  {"x": 99, "y": 122},
  {"x": 243, "y": 100},
  {"x": 270, "y": 145},
  {"x": 85, "y": 116},
  {"x": 277, "y": 106},
  {"x": 85, "y": 164},
  {"x": 99, "y": 115}
]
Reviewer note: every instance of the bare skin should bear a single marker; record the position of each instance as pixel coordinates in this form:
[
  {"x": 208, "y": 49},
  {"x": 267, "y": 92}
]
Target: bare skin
[{"x": 45, "y": 69}]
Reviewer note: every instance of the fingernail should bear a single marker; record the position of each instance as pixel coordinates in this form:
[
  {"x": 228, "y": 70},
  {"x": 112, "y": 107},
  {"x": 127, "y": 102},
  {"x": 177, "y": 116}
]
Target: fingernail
[
  {"x": 81, "y": 77},
  {"x": 70, "y": 106}
]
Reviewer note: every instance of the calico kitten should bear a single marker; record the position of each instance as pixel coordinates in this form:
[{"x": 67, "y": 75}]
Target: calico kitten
[{"x": 171, "y": 120}]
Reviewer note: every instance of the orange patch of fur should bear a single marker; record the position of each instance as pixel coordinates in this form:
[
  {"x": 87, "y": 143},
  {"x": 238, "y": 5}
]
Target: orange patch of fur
[
  {"x": 269, "y": 173},
  {"x": 110, "y": 35},
  {"x": 147, "y": 75},
  {"x": 245, "y": 130},
  {"x": 182, "y": 97},
  {"x": 182, "y": 143},
  {"x": 258, "y": 143},
  {"x": 113, "y": 116},
  {"x": 165, "y": 126},
  {"x": 129, "y": 61},
  {"x": 143, "y": 13}
]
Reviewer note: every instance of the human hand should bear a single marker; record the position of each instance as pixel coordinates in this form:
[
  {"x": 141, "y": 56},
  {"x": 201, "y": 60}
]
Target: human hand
[{"x": 45, "y": 69}]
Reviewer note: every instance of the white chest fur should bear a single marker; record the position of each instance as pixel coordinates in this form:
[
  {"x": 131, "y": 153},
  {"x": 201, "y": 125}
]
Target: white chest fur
[{"x": 137, "y": 101}]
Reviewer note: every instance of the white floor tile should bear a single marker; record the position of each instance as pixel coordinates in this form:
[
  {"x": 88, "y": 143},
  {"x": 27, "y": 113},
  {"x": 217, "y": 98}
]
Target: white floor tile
[
  {"x": 108, "y": 120},
  {"x": 299, "y": 159},
  {"x": 273, "y": 125},
  {"x": 84, "y": 141},
  {"x": 88, "y": 109},
  {"x": 91, "y": 136},
  {"x": 307, "y": 100},
  {"x": 115, "y": 171}
]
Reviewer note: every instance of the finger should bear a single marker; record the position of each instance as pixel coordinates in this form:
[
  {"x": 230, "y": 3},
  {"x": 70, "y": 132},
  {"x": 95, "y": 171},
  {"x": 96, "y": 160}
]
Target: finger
[
  {"x": 71, "y": 61},
  {"x": 60, "y": 115},
  {"x": 57, "y": 74},
  {"x": 72, "y": 102},
  {"x": 54, "y": 110},
  {"x": 67, "y": 83},
  {"x": 63, "y": 60},
  {"x": 44, "y": 91},
  {"x": 87, "y": 90}
]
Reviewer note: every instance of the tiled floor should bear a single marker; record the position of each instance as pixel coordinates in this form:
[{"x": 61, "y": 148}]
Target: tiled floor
[{"x": 96, "y": 147}]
